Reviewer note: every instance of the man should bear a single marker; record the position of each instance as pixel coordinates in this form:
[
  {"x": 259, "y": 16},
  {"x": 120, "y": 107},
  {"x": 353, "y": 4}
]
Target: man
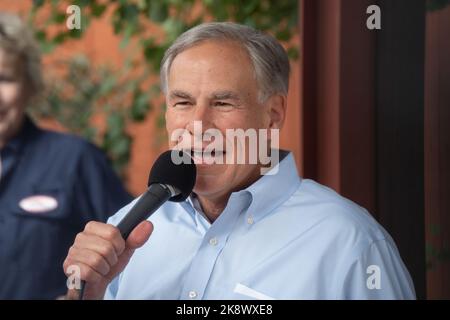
[
  {"x": 51, "y": 184},
  {"x": 241, "y": 235}
]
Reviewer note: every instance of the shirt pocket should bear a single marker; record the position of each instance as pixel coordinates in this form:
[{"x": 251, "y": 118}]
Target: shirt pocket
[
  {"x": 43, "y": 202},
  {"x": 243, "y": 291},
  {"x": 38, "y": 238}
]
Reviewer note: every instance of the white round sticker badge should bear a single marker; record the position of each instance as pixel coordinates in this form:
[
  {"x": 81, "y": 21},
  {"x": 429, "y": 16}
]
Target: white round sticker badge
[{"x": 38, "y": 204}]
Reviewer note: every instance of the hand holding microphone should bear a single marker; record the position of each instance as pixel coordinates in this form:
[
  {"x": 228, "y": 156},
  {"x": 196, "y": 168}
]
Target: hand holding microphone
[
  {"x": 102, "y": 251},
  {"x": 101, "y": 254}
]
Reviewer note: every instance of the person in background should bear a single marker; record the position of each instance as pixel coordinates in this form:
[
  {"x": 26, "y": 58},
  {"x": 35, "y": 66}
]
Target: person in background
[{"x": 51, "y": 184}]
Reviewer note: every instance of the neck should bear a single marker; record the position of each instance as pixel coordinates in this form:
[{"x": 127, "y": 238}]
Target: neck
[{"x": 214, "y": 205}]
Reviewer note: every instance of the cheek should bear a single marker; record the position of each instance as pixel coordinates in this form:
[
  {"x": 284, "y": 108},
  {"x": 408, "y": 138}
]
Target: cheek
[
  {"x": 10, "y": 94},
  {"x": 175, "y": 127},
  {"x": 170, "y": 122}
]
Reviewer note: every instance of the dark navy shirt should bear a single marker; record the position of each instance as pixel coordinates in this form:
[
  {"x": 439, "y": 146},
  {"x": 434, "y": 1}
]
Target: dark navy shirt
[{"x": 51, "y": 185}]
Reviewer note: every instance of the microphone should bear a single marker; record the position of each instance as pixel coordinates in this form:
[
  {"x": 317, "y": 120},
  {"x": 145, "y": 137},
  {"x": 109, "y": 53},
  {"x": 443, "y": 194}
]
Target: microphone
[{"x": 168, "y": 181}]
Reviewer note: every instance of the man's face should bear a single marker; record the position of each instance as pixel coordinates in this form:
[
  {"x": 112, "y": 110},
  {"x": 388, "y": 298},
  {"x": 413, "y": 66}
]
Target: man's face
[
  {"x": 214, "y": 83},
  {"x": 12, "y": 95}
]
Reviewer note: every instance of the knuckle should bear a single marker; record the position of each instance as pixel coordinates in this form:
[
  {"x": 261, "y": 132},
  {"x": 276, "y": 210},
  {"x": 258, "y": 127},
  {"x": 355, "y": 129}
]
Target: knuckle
[
  {"x": 71, "y": 257},
  {"x": 112, "y": 233},
  {"x": 69, "y": 267},
  {"x": 120, "y": 246},
  {"x": 66, "y": 264},
  {"x": 88, "y": 275},
  {"x": 95, "y": 260},
  {"x": 108, "y": 251},
  {"x": 90, "y": 225},
  {"x": 104, "y": 250},
  {"x": 72, "y": 251},
  {"x": 79, "y": 238}
]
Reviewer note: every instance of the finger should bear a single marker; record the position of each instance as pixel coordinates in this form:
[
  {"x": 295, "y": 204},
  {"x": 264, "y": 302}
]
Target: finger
[
  {"x": 140, "y": 235},
  {"x": 95, "y": 243},
  {"x": 86, "y": 273},
  {"x": 90, "y": 258},
  {"x": 107, "y": 232}
]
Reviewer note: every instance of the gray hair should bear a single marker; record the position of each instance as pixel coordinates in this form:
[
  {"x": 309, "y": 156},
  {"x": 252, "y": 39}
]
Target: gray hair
[
  {"x": 17, "y": 39},
  {"x": 269, "y": 59}
]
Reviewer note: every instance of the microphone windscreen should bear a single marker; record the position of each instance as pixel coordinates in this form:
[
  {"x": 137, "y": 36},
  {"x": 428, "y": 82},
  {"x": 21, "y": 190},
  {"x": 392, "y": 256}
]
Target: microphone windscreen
[{"x": 179, "y": 175}]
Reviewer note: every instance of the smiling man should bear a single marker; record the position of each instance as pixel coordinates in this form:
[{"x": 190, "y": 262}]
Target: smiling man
[{"x": 240, "y": 235}]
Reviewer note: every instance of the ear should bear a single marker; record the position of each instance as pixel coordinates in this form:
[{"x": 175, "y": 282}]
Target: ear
[{"x": 277, "y": 111}]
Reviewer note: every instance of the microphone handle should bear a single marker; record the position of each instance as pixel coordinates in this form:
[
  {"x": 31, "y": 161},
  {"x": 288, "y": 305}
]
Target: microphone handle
[{"x": 155, "y": 196}]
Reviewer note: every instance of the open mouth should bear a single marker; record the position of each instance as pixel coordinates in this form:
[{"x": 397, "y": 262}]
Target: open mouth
[{"x": 202, "y": 156}]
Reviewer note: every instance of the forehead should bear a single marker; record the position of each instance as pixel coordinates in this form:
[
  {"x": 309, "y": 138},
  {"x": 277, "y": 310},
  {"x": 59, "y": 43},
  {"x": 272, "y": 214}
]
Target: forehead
[{"x": 212, "y": 64}]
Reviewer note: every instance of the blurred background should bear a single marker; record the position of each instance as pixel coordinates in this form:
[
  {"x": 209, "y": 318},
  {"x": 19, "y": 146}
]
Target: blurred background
[{"x": 368, "y": 110}]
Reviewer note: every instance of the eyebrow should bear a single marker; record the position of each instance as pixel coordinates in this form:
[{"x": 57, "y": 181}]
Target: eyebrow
[
  {"x": 180, "y": 94},
  {"x": 224, "y": 95},
  {"x": 218, "y": 95}
]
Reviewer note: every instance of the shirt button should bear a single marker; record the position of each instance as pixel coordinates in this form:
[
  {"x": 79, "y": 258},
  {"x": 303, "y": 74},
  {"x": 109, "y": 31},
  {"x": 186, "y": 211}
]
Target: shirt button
[
  {"x": 250, "y": 220},
  {"x": 192, "y": 294},
  {"x": 213, "y": 241}
]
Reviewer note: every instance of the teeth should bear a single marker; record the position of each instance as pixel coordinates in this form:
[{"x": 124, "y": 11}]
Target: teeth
[{"x": 200, "y": 154}]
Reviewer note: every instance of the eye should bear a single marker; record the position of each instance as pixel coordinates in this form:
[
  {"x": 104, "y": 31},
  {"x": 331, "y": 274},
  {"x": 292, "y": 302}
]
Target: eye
[
  {"x": 182, "y": 104},
  {"x": 4, "y": 78},
  {"x": 222, "y": 104}
]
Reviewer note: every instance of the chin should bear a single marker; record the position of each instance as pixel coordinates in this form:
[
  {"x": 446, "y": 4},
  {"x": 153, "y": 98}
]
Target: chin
[
  {"x": 208, "y": 185},
  {"x": 4, "y": 130}
]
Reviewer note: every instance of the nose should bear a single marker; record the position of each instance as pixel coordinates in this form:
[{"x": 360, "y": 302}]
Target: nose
[{"x": 203, "y": 114}]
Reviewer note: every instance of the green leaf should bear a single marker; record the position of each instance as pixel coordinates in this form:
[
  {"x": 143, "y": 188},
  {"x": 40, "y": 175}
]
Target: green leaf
[
  {"x": 283, "y": 35},
  {"x": 140, "y": 106},
  {"x": 59, "y": 18},
  {"x": 130, "y": 12},
  {"x": 59, "y": 38},
  {"x": 250, "y": 6},
  {"x": 161, "y": 120},
  {"x": 89, "y": 133},
  {"x": 120, "y": 146},
  {"x": 158, "y": 11},
  {"x": 293, "y": 53},
  {"x": 75, "y": 33},
  {"x": 82, "y": 3},
  {"x": 97, "y": 9},
  {"x": 128, "y": 32},
  {"x": 115, "y": 124},
  {"x": 40, "y": 35},
  {"x": 38, "y": 3}
]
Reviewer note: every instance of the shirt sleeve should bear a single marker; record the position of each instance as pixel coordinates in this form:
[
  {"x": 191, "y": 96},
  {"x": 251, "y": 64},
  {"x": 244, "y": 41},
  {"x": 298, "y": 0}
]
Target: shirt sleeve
[
  {"x": 377, "y": 273},
  {"x": 98, "y": 192}
]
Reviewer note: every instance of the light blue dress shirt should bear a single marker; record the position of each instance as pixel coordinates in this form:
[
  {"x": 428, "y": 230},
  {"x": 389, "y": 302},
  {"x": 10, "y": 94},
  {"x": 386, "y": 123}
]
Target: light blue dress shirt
[{"x": 281, "y": 238}]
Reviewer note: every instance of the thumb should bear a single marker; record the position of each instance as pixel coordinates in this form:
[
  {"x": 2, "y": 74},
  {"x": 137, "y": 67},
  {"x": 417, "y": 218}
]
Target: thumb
[{"x": 139, "y": 235}]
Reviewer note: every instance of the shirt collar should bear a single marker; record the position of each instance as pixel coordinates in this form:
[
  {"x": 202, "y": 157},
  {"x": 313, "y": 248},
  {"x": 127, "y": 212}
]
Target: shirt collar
[
  {"x": 267, "y": 193},
  {"x": 273, "y": 188},
  {"x": 16, "y": 143}
]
